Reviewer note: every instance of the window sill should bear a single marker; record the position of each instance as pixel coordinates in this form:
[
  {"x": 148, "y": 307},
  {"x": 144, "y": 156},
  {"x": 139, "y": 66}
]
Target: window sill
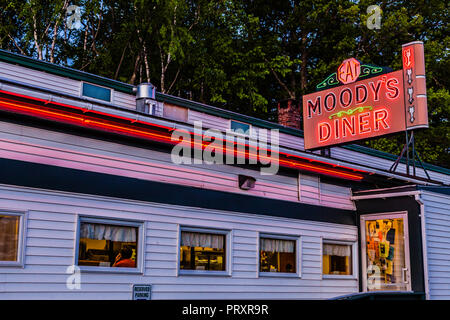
[
  {"x": 12, "y": 264},
  {"x": 278, "y": 275},
  {"x": 339, "y": 277},
  {"x": 204, "y": 273},
  {"x": 110, "y": 270}
]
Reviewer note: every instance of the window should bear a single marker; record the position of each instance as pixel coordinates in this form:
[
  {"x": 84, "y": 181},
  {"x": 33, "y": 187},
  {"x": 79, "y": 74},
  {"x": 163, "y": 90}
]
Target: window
[
  {"x": 337, "y": 259},
  {"x": 203, "y": 250},
  {"x": 109, "y": 244},
  {"x": 240, "y": 127},
  {"x": 278, "y": 255},
  {"x": 96, "y": 92},
  {"x": 10, "y": 238}
]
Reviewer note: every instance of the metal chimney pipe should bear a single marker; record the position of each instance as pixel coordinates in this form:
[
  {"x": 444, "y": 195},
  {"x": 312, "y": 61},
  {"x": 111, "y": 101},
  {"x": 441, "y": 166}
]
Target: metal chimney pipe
[{"x": 145, "y": 90}]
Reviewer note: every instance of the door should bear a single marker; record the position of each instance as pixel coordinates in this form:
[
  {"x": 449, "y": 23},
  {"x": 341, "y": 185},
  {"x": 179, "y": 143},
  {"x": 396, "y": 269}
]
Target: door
[{"x": 385, "y": 252}]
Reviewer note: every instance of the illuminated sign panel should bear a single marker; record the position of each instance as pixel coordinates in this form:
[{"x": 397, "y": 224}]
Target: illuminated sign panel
[
  {"x": 361, "y": 110},
  {"x": 415, "y": 87},
  {"x": 367, "y": 108}
]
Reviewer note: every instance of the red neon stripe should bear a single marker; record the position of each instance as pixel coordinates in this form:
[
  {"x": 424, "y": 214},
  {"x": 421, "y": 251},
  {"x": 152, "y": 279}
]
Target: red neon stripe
[{"x": 86, "y": 120}]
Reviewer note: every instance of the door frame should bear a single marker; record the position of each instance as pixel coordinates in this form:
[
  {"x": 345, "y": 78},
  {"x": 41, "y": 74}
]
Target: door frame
[{"x": 384, "y": 215}]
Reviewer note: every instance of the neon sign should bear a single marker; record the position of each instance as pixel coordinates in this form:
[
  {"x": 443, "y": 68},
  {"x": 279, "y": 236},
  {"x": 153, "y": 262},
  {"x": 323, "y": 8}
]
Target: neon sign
[{"x": 365, "y": 105}]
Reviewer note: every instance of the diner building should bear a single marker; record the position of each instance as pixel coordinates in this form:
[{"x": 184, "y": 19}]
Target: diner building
[{"x": 94, "y": 200}]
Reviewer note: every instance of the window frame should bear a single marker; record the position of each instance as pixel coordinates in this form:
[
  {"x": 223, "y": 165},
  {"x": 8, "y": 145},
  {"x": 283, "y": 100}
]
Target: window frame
[
  {"x": 298, "y": 252},
  {"x": 21, "y": 239},
  {"x": 111, "y": 100},
  {"x": 119, "y": 222},
  {"x": 354, "y": 274},
  {"x": 248, "y": 134},
  {"x": 228, "y": 252}
]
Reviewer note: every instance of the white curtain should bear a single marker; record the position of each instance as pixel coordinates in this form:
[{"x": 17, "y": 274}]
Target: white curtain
[
  {"x": 336, "y": 250},
  {"x": 277, "y": 245},
  {"x": 205, "y": 240},
  {"x": 98, "y": 231}
]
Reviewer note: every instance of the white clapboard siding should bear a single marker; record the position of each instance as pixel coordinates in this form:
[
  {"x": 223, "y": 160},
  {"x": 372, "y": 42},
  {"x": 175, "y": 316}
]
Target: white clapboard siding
[
  {"x": 290, "y": 141},
  {"x": 124, "y": 100},
  {"x": 437, "y": 230},
  {"x": 50, "y": 247},
  {"x": 383, "y": 164},
  {"x": 208, "y": 121},
  {"x": 58, "y": 83},
  {"x": 313, "y": 190},
  {"x": 41, "y": 146},
  {"x": 309, "y": 188},
  {"x": 40, "y": 78}
]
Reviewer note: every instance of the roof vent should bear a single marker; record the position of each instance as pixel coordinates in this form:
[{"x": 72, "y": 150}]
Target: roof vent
[{"x": 145, "y": 99}]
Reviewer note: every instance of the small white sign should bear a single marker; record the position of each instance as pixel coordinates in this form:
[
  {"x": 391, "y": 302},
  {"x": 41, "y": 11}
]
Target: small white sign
[{"x": 142, "y": 292}]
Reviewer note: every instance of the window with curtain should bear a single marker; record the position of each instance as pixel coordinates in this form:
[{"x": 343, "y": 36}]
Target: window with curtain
[
  {"x": 337, "y": 259},
  {"x": 9, "y": 237},
  {"x": 202, "y": 251},
  {"x": 277, "y": 255},
  {"x": 107, "y": 245}
]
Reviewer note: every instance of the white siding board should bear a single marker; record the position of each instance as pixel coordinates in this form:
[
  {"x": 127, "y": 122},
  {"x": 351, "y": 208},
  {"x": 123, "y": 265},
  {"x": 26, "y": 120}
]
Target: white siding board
[
  {"x": 437, "y": 230},
  {"x": 125, "y": 100},
  {"x": 40, "y": 78},
  {"x": 46, "y": 258},
  {"x": 313, "y": 190},
  {"x": 158, "y": 168},
  {"x": 210, "y": 218},
  {"x": 289, "y": 141}
]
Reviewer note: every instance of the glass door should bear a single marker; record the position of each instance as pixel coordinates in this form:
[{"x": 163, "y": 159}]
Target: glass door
[{"x": 385, "y": 252}]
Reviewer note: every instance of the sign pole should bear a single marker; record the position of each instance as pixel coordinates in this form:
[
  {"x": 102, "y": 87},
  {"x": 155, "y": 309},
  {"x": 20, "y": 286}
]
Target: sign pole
[{"x": 413, "y": 153}]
